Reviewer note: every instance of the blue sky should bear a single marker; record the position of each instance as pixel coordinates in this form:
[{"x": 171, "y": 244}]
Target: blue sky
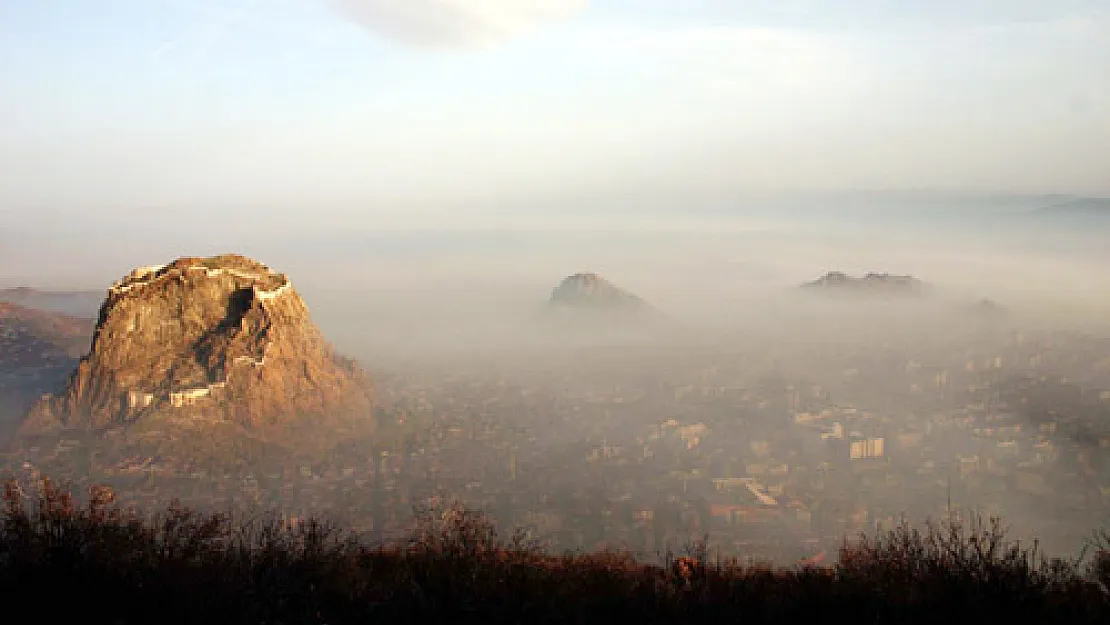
[{"x": 397, "y": 112}]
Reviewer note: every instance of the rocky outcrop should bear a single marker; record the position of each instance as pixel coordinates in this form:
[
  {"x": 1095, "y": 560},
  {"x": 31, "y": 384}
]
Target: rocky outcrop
[
  {"x": 223, "y": 337},
  {"x": 872, "y": 283},
  {"x": 586, "y": 308},
  {"x": 591, "y": 292}
]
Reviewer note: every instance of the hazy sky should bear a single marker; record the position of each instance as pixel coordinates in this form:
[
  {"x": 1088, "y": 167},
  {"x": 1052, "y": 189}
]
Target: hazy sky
[{"x": 368, "y": 110}]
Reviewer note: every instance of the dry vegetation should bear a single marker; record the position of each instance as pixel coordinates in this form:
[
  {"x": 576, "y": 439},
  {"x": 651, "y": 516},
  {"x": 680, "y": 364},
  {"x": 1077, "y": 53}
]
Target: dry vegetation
[{"x": 95, "y": 563}]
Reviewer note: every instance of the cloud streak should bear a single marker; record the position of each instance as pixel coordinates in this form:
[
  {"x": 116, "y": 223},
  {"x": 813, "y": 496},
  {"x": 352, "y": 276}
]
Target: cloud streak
[
  {"x": 215, "y": 32},
  {"x": 455, "y": 23}
]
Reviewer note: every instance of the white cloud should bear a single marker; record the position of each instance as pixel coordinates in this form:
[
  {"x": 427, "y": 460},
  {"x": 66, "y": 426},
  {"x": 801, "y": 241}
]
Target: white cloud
[{"x": 456, "y": 22}]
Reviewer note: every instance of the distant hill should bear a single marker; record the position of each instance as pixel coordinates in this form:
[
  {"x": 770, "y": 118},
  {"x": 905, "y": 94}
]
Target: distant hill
[
  {"x": 1091, "y": 207},
  {"x": 870, "y": 284},
  {"x": 38, "y": 350},
  {"x": 76, "y": 303},
  {"x": 586, "y": 303},
  {"x": 22, "y": 327},
  {"x": 589, "y": 291}
]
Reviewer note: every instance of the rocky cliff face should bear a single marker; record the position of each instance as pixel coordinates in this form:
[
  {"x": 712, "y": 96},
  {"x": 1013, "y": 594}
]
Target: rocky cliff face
[{"x": 222, "y": 337}]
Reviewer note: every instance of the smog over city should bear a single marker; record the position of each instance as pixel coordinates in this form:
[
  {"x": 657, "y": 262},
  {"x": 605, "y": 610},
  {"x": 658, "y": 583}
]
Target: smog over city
[{"x": 617, "y": 274}]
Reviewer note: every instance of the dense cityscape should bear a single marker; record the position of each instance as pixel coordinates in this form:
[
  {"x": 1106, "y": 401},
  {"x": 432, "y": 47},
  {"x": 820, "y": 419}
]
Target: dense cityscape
[{"x": 771, "y": 454}]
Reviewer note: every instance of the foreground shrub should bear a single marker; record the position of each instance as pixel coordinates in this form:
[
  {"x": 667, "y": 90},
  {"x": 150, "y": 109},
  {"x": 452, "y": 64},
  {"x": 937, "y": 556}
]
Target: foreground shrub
[
  {"x": 970, "y": 568},
  {"x": 99, "y": 564}
]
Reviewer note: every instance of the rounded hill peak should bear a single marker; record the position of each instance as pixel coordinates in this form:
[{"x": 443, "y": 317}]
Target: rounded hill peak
[{"x": 588, "y": 291}]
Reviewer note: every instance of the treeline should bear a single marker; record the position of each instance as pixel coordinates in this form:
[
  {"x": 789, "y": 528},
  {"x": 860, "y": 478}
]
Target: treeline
[{"x": 94, "y": 562}]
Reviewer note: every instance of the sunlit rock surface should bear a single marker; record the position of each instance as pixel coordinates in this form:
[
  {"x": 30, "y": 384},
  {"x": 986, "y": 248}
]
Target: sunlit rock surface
[{"x": 223, "y": 337}]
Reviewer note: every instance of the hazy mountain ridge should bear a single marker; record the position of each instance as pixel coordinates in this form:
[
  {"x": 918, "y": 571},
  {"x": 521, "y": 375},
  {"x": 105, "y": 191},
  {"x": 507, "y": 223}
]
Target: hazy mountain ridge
[
  {"x": 38, "y": 349},
  {"x": 76, "y": 303},
  {"x": 1079, "y": 206},
  {"x": 63, "y": 333},
  {"x": 870, "y": 284}
]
